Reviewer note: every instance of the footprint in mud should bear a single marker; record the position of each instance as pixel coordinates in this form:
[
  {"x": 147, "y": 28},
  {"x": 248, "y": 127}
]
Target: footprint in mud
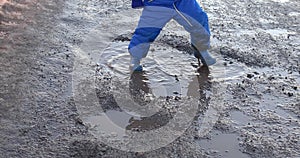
[{"x": 139, "y": 88}]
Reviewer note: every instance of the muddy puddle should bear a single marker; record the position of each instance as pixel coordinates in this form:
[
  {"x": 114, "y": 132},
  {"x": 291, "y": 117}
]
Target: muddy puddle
[
  {"x": 171, "y": 72},
  {"x": 54, "y": 54},
  {"x": 175, "y": 74},
  {"x": 223, "y": 145}
]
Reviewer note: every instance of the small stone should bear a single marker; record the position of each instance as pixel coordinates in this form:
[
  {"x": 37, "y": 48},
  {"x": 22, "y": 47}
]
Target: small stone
[
  {"x": 250, "y": 75},
  {"x": 177, "y": 98},
  {"x": 290, "y": 94},
  {"x": 176, "y": 78},
  {"x": 271, "y": 78}
]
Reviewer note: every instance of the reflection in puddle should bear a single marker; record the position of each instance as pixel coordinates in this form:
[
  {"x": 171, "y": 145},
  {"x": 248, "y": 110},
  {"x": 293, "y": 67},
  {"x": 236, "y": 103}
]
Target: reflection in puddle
[
  {"x": 141, "y": 94},
  {"x": 199, "y": 83},
  {"x": 161, "y": 79},
  {"x": 169, "y": 75},
  {"x": 149, "y": 123},
  {"x": 166, "y": 75}
]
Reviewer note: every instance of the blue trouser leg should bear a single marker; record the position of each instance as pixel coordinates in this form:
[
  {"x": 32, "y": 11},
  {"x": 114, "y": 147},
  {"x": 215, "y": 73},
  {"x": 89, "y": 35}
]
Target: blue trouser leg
[
  {"x": 152, "y": 20},
  {"x": 199, "y": 31},
  {"x": 157, "y": 13}
]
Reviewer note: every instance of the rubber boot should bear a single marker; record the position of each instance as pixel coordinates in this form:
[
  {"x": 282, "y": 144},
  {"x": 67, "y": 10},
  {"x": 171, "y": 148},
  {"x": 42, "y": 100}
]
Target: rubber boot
[
  {"x": 204, "y": 56},
  {"x": 135, "y": 64}
]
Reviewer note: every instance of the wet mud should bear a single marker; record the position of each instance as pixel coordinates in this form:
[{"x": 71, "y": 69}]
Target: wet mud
[{"x": 254, "y": 89}]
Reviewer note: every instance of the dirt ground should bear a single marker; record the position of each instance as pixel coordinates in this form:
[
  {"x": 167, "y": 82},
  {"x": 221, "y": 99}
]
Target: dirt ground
[{"x": 257, "y": 44}]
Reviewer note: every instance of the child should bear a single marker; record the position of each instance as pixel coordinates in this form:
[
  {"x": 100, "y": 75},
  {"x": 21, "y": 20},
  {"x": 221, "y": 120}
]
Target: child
[{"x": 156, "y": 14}]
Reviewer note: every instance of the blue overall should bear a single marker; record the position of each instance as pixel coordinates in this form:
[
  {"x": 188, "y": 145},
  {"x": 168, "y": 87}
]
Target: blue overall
[{"x": 157, "y": 13}]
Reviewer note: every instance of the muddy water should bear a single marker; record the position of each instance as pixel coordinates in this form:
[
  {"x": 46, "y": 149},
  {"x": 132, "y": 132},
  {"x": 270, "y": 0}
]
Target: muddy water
[
  {"x": 257, "y": 47},
  {"x": 170, "y": 73},
  {"x": 170, "y": 70},
  {"x": 223, "y": 145}
]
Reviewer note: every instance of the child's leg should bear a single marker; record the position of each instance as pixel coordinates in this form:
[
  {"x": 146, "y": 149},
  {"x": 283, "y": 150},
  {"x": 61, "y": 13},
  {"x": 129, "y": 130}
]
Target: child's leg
[
  {"x": 152, "y": 20},
  {"x": 199, "y": 31},
  {"x": 195, "y": 21}
]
